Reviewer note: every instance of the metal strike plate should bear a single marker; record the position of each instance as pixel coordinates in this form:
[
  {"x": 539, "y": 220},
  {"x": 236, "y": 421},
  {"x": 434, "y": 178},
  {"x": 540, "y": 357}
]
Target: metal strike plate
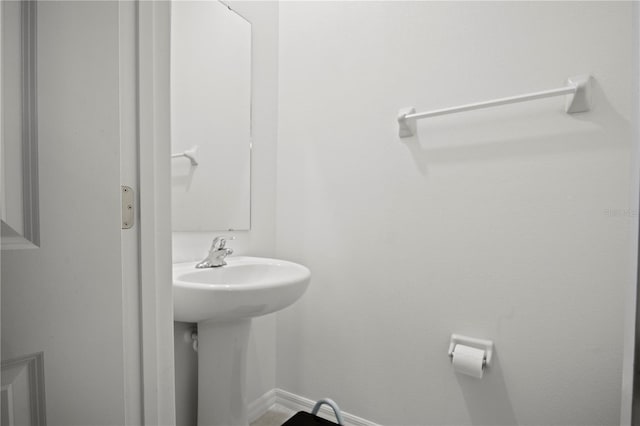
[{"x": 127, "y": 207}]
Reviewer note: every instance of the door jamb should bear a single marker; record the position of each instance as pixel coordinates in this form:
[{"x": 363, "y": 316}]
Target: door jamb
[{"x": 154, "y": 20}]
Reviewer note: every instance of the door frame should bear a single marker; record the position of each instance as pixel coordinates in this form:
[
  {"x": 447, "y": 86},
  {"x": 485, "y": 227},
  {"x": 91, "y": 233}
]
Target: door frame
[{"x": 158, "y": 389}]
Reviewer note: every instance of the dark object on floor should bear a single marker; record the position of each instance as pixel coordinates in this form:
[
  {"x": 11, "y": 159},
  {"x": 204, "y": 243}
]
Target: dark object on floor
[{"x": 305, "y": 419}]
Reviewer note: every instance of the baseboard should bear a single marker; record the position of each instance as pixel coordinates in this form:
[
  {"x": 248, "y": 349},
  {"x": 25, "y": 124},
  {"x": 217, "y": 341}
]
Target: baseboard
[
  {"x": 261, "y": 405},
  {"x": 297, "y": 403}
]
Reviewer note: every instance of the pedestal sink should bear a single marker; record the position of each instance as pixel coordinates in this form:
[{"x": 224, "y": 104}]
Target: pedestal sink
[{"x": 223, "y": 301}]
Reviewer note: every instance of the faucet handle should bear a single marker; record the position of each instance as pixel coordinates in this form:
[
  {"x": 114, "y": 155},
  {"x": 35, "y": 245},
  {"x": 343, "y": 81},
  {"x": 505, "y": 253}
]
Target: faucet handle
[{"x": 220, "y": 242}]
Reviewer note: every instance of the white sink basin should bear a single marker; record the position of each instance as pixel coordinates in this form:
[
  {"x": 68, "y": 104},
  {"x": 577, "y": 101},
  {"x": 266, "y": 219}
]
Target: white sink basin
[
  {"x": 223, "y": 302},
  {"x": 246, "y": 287}
]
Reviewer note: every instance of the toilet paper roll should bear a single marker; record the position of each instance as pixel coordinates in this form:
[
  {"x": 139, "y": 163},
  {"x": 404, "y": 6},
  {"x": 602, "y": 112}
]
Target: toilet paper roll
[{"x": 468, "y": 360}]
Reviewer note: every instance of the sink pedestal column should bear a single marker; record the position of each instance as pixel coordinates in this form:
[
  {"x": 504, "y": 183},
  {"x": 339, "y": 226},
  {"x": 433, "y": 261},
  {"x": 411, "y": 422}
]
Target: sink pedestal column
[{"x": 222, "y": 371}]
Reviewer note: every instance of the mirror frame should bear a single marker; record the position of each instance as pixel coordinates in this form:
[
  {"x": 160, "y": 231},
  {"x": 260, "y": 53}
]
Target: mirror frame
[{"x": 30, "y": 237}]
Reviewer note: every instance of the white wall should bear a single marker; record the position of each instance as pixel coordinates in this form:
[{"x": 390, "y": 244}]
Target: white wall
[
  {"x": 65, "y": 298},
  {"x": 509, "y": 224},
  {"x": 260, "y": 240}
]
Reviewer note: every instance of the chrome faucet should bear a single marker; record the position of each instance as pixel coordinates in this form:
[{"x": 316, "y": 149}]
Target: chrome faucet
[{"x": 217, "y": 253}]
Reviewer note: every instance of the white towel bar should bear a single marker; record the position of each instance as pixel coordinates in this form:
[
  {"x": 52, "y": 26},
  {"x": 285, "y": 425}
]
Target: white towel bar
[
  {"x": 190, "y": 154},
  {"x": 578, "y": 91}
]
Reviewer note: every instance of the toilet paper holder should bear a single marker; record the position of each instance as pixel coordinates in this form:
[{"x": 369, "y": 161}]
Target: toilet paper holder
[{"x": 486, "y": 345}]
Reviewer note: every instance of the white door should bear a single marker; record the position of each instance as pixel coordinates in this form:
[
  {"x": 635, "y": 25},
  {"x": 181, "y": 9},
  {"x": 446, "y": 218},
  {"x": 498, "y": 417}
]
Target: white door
[{"x": 93, "y": 296}]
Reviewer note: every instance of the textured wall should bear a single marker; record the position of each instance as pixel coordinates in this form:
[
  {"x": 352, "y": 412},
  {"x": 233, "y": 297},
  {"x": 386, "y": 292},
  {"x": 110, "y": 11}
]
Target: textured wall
[{"x": 511, "y": 224}]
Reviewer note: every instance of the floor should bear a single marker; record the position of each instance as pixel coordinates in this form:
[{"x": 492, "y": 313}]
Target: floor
[{"x": 276, "y": 416}]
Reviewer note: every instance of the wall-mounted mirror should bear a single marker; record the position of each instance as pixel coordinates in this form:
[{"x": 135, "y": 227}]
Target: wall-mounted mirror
[
  {"x": 210, "y": 117},
  {"x": 18, "y": 125}
]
